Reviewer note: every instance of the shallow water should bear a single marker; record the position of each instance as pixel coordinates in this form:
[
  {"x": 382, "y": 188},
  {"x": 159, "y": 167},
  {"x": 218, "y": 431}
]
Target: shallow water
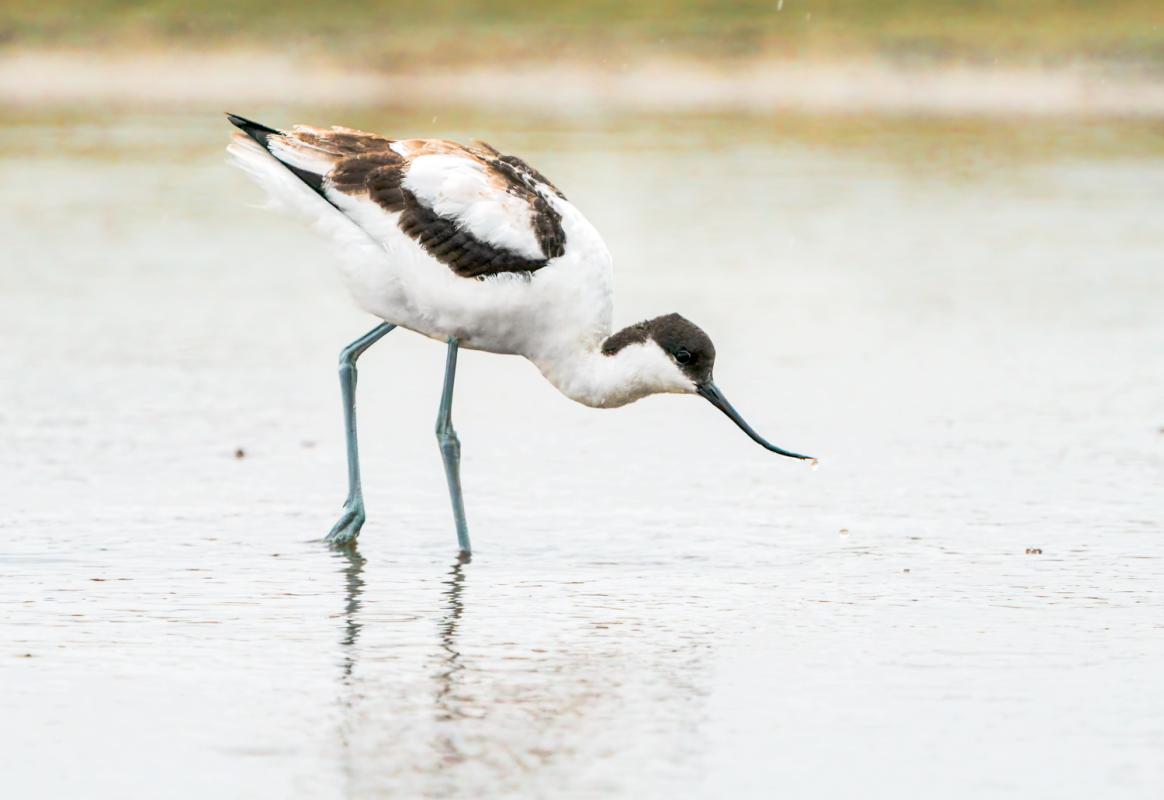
[{"x": 965, "y": 324}]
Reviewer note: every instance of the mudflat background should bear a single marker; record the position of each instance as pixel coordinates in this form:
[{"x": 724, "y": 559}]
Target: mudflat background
[{"x": 953, "y": 299}]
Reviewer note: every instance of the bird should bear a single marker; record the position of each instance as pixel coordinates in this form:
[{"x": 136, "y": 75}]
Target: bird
[{"x": 478, "y": 250}]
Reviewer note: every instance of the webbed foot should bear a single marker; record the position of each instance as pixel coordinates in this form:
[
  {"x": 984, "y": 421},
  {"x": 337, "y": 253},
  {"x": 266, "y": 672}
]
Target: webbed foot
[{"x": 344, "y": 532}]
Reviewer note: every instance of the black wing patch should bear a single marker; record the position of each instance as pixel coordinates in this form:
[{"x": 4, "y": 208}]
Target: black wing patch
[
  {"x": 528, "y": 175},
  {"x": 367, "y": 163},
  {"x": 455, "y": 246},
  {"x": 381, "y": 174},
  {"x": 524, "y": 182}
]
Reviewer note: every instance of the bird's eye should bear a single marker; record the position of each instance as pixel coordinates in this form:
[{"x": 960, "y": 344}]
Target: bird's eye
[{"x": 683, "y": 356}]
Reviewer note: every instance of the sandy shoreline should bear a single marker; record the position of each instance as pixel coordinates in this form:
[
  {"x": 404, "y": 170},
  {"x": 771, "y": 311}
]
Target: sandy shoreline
[{"x": 218, "y": 80}]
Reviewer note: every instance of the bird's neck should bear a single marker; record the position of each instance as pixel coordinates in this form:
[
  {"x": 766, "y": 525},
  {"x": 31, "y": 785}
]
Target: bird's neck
[{"x": 587, "y": 376}]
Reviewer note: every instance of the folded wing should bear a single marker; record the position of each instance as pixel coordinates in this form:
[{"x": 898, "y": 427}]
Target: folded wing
[{"x": 476, "y": 211}]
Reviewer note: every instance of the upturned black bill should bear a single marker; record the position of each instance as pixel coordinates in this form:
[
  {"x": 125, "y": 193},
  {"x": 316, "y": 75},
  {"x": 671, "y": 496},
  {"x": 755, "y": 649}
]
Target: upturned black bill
[{"x": 714, "y": 396}]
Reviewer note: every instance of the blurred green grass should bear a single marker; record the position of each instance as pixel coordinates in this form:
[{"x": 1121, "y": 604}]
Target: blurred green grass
[{"x": 387, "y": 33}]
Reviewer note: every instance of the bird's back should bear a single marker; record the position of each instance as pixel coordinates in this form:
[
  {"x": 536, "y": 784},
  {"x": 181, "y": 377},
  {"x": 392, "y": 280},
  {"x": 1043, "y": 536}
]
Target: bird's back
[{"x": 443, "y": 238}]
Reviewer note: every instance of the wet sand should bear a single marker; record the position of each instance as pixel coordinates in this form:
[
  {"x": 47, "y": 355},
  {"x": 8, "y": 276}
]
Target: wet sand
[{"x": 967, "y": 336}]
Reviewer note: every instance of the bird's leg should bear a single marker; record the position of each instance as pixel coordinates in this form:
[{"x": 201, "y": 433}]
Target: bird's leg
[
  {"x": 348, "y": 528},
  {"x": 451, "y": 447}
]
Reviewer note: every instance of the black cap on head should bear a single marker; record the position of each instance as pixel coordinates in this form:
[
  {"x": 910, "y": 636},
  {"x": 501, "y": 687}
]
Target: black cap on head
[
  {"x": 692, "y": 351},
  {"x": 679, "y": 338}
]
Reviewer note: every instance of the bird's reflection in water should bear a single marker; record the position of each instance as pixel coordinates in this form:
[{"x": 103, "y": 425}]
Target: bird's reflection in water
[
  {"x": 448, "y": 700},
  {"x": 353, "y": 570}
]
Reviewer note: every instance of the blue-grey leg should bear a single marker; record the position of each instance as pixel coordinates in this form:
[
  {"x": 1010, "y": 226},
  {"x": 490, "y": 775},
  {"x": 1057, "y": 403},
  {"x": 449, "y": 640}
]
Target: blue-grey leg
[
  {"x": 348, "y": 528},
  {"x": 451, "y": 447}
]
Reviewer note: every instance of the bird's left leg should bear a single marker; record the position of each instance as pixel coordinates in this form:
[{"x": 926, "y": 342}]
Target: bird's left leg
[
  {"x": 451, "y": 447},
  {"x": 344, "y": 532}
]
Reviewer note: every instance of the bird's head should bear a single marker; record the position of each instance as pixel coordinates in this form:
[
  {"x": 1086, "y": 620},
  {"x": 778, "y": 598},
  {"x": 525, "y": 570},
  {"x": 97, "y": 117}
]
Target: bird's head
[{"x": 672, "y": 354}]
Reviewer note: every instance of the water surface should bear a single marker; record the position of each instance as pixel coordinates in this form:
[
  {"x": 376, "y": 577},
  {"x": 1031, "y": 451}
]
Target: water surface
[{"x": 965, "y": 321}]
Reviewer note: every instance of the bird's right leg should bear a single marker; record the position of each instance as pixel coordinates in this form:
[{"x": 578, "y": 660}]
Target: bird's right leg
[{"x": 348, "y": 528}]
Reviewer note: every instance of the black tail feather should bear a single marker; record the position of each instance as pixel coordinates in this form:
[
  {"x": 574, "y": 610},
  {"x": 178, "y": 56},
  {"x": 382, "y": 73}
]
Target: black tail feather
[
  {"x": 261, "y": 133},
  {"x": 256, "y": 130}
]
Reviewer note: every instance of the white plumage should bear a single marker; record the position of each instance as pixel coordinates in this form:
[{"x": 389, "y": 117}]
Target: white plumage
[
  {"x": 459, "y": 188},
  {"x": 557, "y": 316},
  {"x": 469, "y": 246}
]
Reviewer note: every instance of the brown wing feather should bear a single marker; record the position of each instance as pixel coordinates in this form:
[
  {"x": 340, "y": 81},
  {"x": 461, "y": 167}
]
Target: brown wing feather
[{"x": 366, "y": 164}]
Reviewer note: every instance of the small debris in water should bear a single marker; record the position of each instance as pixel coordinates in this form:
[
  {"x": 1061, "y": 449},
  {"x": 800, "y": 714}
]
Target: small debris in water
[
  {"x": 240, "y": 453},
  {"x": 906, "y": 570},
  {"x": 844, "y": 531},
  {"x": 1034, "y": 551},
  {"x": 25, "y": 655},
  {"x": 97, "y": 579},
  {"x": 307, "y": 443}
]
